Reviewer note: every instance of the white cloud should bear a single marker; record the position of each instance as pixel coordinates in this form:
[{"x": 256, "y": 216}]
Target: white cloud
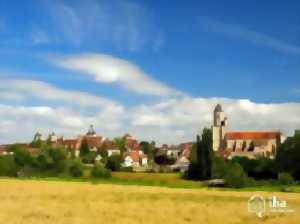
[
  {"x": 249, "y": 35},
  {"x": 108, "y": 69},
  {"x": 177, "y": 121},
  {"x": 190, "y": 115},
  {"x": 24, "y": 89},
  {"x": 171, "y": 120}
]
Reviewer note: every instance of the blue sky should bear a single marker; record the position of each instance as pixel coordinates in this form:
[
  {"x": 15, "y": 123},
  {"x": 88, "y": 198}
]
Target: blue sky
[{"x": 139, "y": 55}]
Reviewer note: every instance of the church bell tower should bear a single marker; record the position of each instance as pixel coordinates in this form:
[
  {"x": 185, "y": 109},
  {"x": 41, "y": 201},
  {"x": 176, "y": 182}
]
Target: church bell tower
[{"x": 219, "y": 128}]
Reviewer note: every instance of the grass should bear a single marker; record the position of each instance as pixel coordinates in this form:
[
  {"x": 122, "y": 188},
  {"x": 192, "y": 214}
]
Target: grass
[
  {"x": 155, "y": 179},
  {"x": 169, "y": 180},
  {"x": 61, "y": 202}
]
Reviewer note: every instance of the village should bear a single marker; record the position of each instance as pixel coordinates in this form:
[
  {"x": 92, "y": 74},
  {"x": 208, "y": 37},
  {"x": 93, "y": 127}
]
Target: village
[{"x": 146, "y": 156}]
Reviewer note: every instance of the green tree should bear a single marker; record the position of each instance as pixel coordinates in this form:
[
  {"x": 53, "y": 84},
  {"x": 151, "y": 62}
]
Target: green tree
[
  {"x": 36, "y": 142},
  {"x": 207, "y": 152},
  {"x": 235, "y": 176},
  {"x": 8, "y": 166},
  {"x": 99, "y": 171},
  {"x": 48, "y": 141},
  {"x": 76, "y": 168},
  {"x": 196, "y": 168},
  {"x": 288, "y": 156},
  {"x": 285, "y": 179},
  {"x": 148, "y": 149},
  {"x": 120, "y": 143},
  {"x": 200, "y": 167},
  {"x": 104, "y": 155},
  {"x": 23, "y": 158},
  {"x": 84, "y": 148},
  {"x": 114, "y": 163}
]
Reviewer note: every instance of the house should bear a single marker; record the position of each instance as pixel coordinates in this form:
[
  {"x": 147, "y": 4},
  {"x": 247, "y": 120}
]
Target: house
[
  {"x": 182, "y": 164},
  {"x": 111, "y": 148},
  {"x": 3, "y": 150},
  {"x": 128, "y": 161},
  {"x": 135, "y": 159},
  {"x": 174, "y": 151},
  {"x": 131, "y": 143}
]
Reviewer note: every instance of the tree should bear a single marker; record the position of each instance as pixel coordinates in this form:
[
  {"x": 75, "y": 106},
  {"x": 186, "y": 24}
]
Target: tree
[
  {"x": 89, "y": 157},
  {"x": 207, "y": 152},
  {"x": 8, "y": 166},
  {"x": 148, "y": 149},
  {"x": 99, "y": 171},
  {"x": 76, "y": 168},
  {"x": 104, "y": 154},
  {"x": 193, "y": 155},
  {"x": 84, "y": 148},
  {"x": 200, "y": 167},
  {"x": 22, "y": 157},
  {"x": 114, "y": 163},
  {"x": 285, "y": 179},
  {"x": 288, "y": 156},
  {"x": 36, "y": 142},
  {"x": 235, "y": 176},
  {"x": 163, "y": 159},
  {"x": 195, "y": 170},
  {"x": 120, "y": 143},
  {"x": 258, "y": 168}
]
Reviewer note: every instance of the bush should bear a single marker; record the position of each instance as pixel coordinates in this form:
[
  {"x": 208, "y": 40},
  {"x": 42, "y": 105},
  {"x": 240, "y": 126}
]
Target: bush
[
  {"x": 192, "y": 172},
  {"x": 285, "y": 179},
  {"x": 235, "y": 176},
  {"x": 89, "y": 157},
  {"x": 8, "y": 167},
  {"x": 127, "y": 169},
  {"x": 114, "y": 163},
  {"x": 99, "y": 171},
  {"x": 260, "y": 168},
  {"x": 218, "y": 167},
  {"x": 22, "y": 157},
  {"x": 76, "y": 168}
]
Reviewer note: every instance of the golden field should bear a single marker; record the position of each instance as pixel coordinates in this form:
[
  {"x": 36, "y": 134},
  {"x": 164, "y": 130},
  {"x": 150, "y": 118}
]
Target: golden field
[{"x": 57, "y": 202}]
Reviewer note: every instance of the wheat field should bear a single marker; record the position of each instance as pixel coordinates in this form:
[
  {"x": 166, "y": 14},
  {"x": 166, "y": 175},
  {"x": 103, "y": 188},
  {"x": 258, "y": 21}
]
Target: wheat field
[{"x": 55, "y": 202}]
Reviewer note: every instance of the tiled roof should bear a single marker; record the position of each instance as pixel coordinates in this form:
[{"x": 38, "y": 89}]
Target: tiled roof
[
  {"x": 253, "y": 135},
  {"x": 109, "y": 144},
  {"x": 94, "y": 142},
  {"x": 134, "y": 155}
]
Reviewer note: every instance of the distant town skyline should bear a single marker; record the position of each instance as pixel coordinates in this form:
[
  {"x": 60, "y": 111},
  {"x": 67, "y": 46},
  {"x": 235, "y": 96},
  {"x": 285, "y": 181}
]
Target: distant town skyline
[{"x": 152, "y": 69}]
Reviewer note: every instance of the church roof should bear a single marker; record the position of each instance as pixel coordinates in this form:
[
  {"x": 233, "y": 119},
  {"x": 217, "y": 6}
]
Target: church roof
[
  {"x": 252, "y": 135},
  {"x": 218, "y": 108}
]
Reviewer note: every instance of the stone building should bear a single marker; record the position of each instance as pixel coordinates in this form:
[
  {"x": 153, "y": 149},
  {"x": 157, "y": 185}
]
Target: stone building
[{"x": 242, "y": 143}]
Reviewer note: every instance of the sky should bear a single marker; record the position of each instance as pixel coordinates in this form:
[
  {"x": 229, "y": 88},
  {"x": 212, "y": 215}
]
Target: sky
[{"x": 153, "y": 69}]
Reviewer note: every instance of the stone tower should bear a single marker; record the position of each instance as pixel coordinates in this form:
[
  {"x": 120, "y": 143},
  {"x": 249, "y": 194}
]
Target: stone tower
[{"x": 219, "y": 128}]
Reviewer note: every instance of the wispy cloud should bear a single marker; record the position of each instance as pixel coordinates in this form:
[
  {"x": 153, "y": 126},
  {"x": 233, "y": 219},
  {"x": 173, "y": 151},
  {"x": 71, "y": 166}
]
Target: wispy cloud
[
  {"x": 124, "y": 24},
  {"x": 249, "y": 35},
  {"x": 108, "y": 69},
  {"x": 31, "y": 89},
  {"x": 39, "y": 36}
]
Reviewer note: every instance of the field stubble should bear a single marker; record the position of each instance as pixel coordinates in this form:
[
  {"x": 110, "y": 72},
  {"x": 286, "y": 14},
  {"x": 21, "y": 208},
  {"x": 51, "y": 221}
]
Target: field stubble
[{"x": 31, "y": 202}]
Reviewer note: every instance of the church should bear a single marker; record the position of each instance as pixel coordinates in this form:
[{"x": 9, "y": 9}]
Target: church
[{"x": 241, "y": 143}]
